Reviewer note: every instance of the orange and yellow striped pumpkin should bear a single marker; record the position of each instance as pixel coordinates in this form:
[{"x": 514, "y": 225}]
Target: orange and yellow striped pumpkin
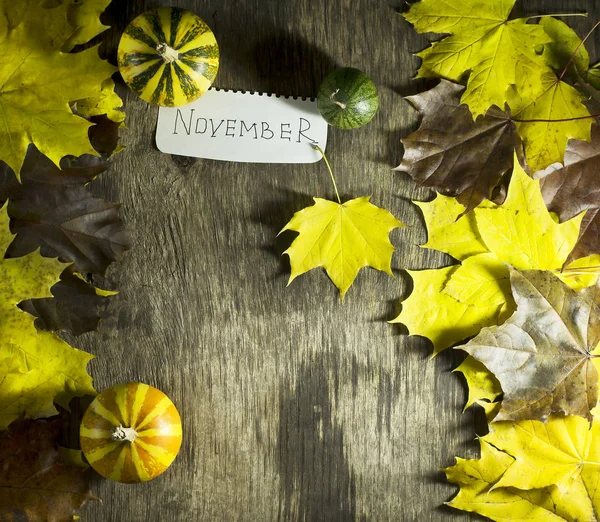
[
  {"x": 168, "y": 56},
  {"x": 131, "y": 433}
]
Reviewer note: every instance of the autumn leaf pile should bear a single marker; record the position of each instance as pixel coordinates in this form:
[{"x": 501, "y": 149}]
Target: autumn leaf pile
[
  {"x": 508, "y": 140},
  {"x": 61, "y": 120}
]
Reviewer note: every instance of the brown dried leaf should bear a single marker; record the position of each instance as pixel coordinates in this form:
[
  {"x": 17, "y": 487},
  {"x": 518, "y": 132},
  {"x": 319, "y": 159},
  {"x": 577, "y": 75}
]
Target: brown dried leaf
[
  {"x": 53, "y": 210},
  {"x": 573, "y": 188},
  {"x": 36, "y": 484},
  {"x": 74, "y": 307},
  {"x": 454, "y": 154},
  {"x": 544, "y": 355}
]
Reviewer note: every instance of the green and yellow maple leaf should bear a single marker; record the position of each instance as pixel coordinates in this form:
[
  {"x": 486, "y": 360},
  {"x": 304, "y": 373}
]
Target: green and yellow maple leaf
[
  {"x": 38, "y": 81},
  {"x": 36, "y": 368},
  {"x": 495, "y": 53},
  {"x": 450, "y": 304},
  {"x": 84, "y": 17},
  {"x": 566, "y": 46},
  {"x": 342, "y": 238}
]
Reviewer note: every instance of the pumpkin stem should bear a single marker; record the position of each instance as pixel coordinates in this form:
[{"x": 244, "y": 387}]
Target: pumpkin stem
[
  {"x": 122, "y": 434},
  {"x": 332, "y": 98},
  {"x": 167, "y": 53}
]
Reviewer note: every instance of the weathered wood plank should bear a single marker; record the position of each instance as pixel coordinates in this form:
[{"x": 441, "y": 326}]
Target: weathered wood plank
[{"x": 295, "y": 406}]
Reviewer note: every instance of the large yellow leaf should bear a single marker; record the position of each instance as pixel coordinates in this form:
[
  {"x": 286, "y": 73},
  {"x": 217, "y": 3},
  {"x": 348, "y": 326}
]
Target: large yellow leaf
[
  {"x": 341, "y": 238},
  {"x": 479, "y": 492},
  {"x": 448, "y": 305},
  {"x": 36, "y": 368},
  {"x": 38, "y": 81},
  {"x": 495, "y": 52}
]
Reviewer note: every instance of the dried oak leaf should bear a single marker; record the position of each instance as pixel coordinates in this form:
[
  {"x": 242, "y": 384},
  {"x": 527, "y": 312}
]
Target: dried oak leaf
[
  {"x": 36, "y": 484},
  {"x": 544, "y": 355},
  {"x": 454, "y": 154},
  {"x": 38, "y": 80},
  {"x": 573, "y": 188}
]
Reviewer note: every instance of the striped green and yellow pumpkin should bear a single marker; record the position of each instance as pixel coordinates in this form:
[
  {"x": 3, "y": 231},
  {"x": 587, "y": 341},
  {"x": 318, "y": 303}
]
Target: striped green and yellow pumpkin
[
  {"x": 168, "y": 56},
  {"x": 347, "y": 98},
  {"x": 131, "y": 433}
]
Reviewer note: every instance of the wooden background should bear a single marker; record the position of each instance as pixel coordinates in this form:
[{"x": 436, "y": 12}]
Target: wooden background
[{"x": 295, "y": 406}]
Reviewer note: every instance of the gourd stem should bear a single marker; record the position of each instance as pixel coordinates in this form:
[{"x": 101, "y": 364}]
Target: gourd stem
[
  {"x": 167, "y": 53},
  {"x": 332, "y": 98},
  {"x": 330, "y": 172},
  {"x": 122, "y": 434}
]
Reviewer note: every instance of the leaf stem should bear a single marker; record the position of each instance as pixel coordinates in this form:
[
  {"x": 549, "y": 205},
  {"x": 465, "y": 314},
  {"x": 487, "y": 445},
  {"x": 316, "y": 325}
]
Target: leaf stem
[
  {"x": 559, "y": 120},
  {"x": 577, "y": 50},
  {"x": 581, "y": 270},
  {"x": 316, "y": 147},
  {"x": 561, "y": 15},
  {"x": 587, "y": 88}
]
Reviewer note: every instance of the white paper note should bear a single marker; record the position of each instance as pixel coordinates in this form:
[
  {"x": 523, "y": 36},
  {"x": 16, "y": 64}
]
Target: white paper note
[{"x": 243, "y": 127}]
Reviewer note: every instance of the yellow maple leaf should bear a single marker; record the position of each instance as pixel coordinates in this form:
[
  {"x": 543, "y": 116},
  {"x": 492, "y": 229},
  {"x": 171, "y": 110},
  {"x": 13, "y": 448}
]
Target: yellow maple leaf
[
  {"x": 452, "y": 303},
  {"x": 547, "y": 121},
  {"x": 496, "y": 53},
  {"x": 430, "y": 312},
  {"x": 446, "y": 232},
  {"x": 106, "y": 102},
  {"x": 342, "y": 238},
  {"x": 84, "y": 17},
  {"x": 581, "y": 273},
  {"x": 479, "y": 491},
  {"x": 38, "y": 81},
  {"x": 36, "y": 368},
  {"x": 563, "y": 452},
  {"x": 483, "y": 387}
]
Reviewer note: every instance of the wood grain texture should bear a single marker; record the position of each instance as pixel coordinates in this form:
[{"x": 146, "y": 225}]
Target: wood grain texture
[{"x": 295, "y": 407}]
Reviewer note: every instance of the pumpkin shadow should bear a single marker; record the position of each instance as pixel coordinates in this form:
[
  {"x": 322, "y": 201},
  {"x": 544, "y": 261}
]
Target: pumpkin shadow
[{"x": 288, "y": 65}]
